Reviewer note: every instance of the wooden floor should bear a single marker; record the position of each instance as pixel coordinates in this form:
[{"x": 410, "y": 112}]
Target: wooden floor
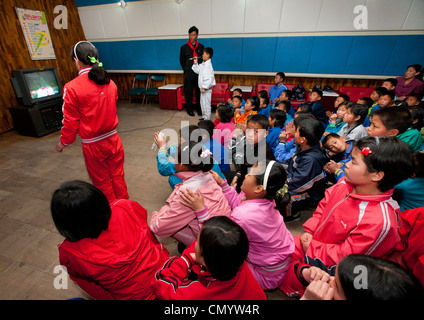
[{"x": 31, "y": 169}]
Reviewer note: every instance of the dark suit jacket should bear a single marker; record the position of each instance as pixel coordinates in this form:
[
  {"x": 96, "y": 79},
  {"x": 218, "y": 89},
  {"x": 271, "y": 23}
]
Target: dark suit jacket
[{"x": 185, "y": 54}]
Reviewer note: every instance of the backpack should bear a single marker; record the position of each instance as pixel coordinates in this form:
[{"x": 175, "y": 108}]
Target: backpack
[{"x": 299, "y": 92}]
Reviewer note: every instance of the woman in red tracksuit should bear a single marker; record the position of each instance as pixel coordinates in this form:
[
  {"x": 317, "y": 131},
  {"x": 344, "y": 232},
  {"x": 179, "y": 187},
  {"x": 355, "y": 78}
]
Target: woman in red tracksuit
[
  {"x": 358, "y": 214},
  {"x": 217, "y": 259},
  {"x": 89, "y": 110},
  {"x": 109, "y": 250}
]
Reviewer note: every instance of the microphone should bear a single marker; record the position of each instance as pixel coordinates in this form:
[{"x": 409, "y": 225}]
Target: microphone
[{"x": 193, "y": 58}]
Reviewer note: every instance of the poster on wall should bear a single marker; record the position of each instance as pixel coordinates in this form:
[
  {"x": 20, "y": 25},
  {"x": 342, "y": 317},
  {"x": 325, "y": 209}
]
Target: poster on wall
[{"x": 36, "y": 32}]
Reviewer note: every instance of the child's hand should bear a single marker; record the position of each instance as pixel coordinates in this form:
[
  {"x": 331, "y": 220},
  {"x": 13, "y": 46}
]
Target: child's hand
[
  {"x": 216, "y": 177},
  {"x": 315, "y": 274},
  {"x": 284, "y": 136},
  {"x": 290, "y": 128},
  {"x": 159, "y": 139},
  {"x": 203, "y": 90},
  {"x": 331, "y": 166},
  {"x": 237, "y": 112},
  {"x": 333, "y": 118},
  {"x": 318, "y": 290},
  {"x": 305, "y": 240},
  {"x": 60, "y": 146},
  {"x": 192, "y": 200}
]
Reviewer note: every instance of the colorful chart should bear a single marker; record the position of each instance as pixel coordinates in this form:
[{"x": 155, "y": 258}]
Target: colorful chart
[{"x": 36, "y": 32}]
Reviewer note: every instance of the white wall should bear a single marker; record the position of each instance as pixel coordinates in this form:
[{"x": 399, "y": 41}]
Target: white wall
[{"x": 156, "y": 19}]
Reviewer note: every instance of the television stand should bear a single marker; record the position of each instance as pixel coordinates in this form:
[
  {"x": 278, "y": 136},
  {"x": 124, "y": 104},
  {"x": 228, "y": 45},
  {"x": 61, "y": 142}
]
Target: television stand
[{"x": 38, "y": 120}]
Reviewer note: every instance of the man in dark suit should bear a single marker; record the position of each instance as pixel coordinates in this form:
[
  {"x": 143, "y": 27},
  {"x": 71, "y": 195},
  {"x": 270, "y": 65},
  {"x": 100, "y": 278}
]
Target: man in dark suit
[{"x": 189, "y": 50}]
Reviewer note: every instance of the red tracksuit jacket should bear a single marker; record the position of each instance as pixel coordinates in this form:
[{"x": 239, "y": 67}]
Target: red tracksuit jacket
[
  {"x": 88, "y": 109},
  {"x": 171, "y": 282},
  {"x": 346, "y": 223},
  {"x": 121, "y": 263}
]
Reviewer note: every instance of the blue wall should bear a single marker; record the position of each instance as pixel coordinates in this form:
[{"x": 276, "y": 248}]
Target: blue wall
[{"x": 364, "y": 55}]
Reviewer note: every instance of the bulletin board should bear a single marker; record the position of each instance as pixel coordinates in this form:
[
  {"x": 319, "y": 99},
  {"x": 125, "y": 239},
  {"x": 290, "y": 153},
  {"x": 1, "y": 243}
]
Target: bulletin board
[{"x": 36, "y": 32}]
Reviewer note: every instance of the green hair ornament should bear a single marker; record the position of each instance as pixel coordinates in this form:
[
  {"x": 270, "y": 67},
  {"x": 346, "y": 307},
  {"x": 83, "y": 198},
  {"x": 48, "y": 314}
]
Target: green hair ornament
[
  {"x": 94, "y": 60},
  {"x": 282, "y": 192}
]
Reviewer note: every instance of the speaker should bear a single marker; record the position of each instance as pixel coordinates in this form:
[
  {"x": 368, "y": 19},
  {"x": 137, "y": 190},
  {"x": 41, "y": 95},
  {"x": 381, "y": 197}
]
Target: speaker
[{"x": 38, "y": 120}]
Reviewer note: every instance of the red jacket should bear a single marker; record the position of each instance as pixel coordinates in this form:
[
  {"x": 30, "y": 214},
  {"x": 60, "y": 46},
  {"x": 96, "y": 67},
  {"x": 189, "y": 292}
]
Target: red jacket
[
  {"x": 346, "y": 223},
  {"x": 171, "y": 282},
  {"x": 122, "y": 261},
  {"x": 88, "y": 109},
  {"x": 410, "y": 254}
]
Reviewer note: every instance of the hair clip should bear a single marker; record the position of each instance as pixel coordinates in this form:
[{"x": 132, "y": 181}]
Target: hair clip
[
  {"x": 366, "y": 151},
  {"x": 94, "y": 60},
  {"x": 205, "y": 153}
]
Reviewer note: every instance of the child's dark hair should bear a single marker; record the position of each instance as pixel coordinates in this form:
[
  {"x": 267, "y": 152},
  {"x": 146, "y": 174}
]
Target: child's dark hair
[
  {"x": 327, "y": 137},
  {"x": 259, "y": 119},
  {"x": 367, "y": 101},
  {"x": 318, "y": 91},
  {"x": 417, "y": 113},
  {"x": 345, "y": 97},
  {"x": 88, "y": 55},
  {"x": 206, "y": 126},
  {"x": 389, "y": 155},
  {"x": 399, "y": 118},
  {"x": 282, "y": 75},
  {"x": 255, "y": 102},
  {"x": 392, "y": 81},
  {"x": 286, "y": 105},
  {"x": 225, "y": 113},
  {"x": 266, "y": 100},
  {"x": 389, "y": 93},
  {"x": 417, "y": 96},
  {"x": 195, "y": 156},
  {"x": 305, "y": 107},
  {"x": 279, "y": 116},
  {"x": 275, "y": 182},
  {"x": 418, "y": 164},
  {"x": 238, "y": 90},
  {"x": 80, "y": 210},
  {"x": 224, "y": 246},
  {"x": 311, "y": 129},
  {"x": 380, "y": 91},
  {"x": 186, "y": 133},
  {"x": 209, "y": 51},
  {"x": 238, "y": 98},
  {"x": 358, "y": 110},
  {"x": 386, "y": 280},
  {"x": 263, "y": 94},
  {"x": 288, "y": 93}
]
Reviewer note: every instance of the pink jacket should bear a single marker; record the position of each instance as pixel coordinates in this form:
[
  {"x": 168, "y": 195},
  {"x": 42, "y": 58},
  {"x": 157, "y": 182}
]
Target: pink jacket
[
  {"x": 346, "y": 223},
  {"x": 223, "y": 132},
  {"x": 176, "y": 220},
  {"x": 270, "y": 243}
]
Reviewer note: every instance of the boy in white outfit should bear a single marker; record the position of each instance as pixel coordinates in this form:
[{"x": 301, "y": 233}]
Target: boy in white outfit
[{"x": 206, "y": 81}]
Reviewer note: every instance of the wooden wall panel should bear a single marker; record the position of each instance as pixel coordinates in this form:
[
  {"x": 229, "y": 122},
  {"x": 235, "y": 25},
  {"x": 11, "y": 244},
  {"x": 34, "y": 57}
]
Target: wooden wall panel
[
  {"x": 124, "y": 81},
  {"x": 14, "y": 51}
]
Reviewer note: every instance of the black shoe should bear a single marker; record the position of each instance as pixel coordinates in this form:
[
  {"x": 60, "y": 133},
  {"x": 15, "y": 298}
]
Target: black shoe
[
  {"x": 292, "y": 218},
  {"x": 199, "y": 113},
  {"x": 201, "y": 119},
  {"x": 181, "y": 247},
  {"x": 190, "y": 113}
]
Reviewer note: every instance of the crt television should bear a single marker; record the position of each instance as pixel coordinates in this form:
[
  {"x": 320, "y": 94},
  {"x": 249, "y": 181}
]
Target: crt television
[{"x": 36, "y": 85}]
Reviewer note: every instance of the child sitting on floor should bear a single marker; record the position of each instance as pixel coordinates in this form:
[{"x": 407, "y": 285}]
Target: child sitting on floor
[
  {"x": 409, "y": 193},
  {"x": 224, "y": 125},
  {"x": 396, "y": 122},
  {"x": 217, "y": 258},
  {"x": 175, "y": 220},
  {"x": 109, "y": 250},
  {"x": 257, "y": 210},
  {"x": 251, "y": 107},
  {"x": 354, "y": 118},
  {"x": 339, "y": 151},
  {"x": 277, "y": 120},
  {"x": 336, "y": 119},
  {"x": 358, "y": 214}
]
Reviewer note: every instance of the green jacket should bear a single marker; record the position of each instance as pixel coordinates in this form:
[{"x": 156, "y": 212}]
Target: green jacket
[{"x": 413, "y": 138}]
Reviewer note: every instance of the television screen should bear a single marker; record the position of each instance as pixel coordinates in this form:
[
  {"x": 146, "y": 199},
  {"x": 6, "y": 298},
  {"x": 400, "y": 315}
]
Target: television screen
[{"x": 42, "y": 84}]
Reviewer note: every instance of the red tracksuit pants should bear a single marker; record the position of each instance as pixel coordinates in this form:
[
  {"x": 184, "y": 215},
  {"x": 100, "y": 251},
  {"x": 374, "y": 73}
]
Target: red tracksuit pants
[{"x": 104, "y": 160}]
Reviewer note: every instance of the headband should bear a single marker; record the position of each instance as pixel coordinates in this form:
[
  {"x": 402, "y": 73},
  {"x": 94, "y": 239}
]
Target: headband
[
  {"x": 92, "y": 59},
  {"x": 267, "y": 172}
]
